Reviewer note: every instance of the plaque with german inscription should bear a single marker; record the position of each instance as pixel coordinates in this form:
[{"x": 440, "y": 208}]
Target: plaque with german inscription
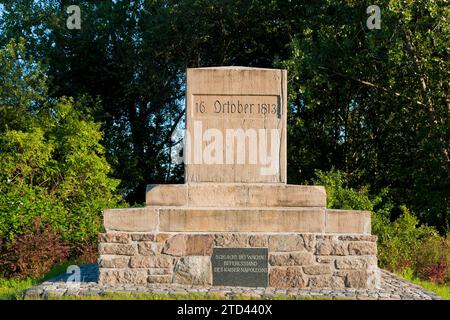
[{"x": 244, "y": 267}]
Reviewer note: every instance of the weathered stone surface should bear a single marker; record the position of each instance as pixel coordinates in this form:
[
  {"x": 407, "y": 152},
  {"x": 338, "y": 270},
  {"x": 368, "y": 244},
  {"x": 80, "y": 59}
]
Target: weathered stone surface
[
  {"x": 131, "y": 219},
  {"x": 193, "y": 270},
  {"x": 286, "y": 277},
  {"x": 258, "y": 241},
  {"x": 347, "y": 221},
  {"x": 143, "y": 236},
  {"x": 328, "y": 246},
  {"x": 242, "y": 219},
  {"x": 362, "y": 237},
  {"x": 231, "y": 240},
  {"x": 175, "y": 246},
  {"x": 244, "y": 86},
  {"x": 189, "y": 245},
  {"x": 162, "y": 237},
  {"x": 159, "y": 278},
  {"x": 374, "y": 276},
  {"x": 325, "y": 259},
  {"x": 236, "y": 195},
  {"x": 199, "y": 245},
  {"x": 325, "y": 282},
  {"x": 166, "y": 195},
  {"x": 355, "y": 262},
  {"x": 148, "y": 248},
  {"x": 114, "y": 237},
  {"x": 309, "y": 241},
  {"x": 117, "y": 249},
  {"x": 122, "y": 276},
  {"x": 317, "y": 269},
  {"x": 362, "y": 248},
  {"x": 316, "y": 260},
  {"x": 159, "y": 261},
  {"x": 106, "y": 261},
  {"x": 159, "y": 271},
  {"x": 281, "y": 243},
  {"x": 291, "y": 259},
  {"x": 356, "y": 279}
]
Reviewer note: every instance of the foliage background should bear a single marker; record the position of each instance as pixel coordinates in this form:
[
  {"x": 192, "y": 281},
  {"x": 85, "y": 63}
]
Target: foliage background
[{"x": 86, "y": 116}]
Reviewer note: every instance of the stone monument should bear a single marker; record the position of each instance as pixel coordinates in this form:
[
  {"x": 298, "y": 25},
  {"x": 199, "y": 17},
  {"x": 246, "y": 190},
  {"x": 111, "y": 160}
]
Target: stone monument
[{"x": 235, "y": 221}]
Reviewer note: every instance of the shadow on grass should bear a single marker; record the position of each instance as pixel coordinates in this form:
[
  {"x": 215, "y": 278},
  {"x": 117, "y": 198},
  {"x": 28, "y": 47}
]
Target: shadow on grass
[{"x": 13, "y": 289}]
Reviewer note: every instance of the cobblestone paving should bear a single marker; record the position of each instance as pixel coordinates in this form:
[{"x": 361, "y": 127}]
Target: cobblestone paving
[{"x": 392, "y": 288}]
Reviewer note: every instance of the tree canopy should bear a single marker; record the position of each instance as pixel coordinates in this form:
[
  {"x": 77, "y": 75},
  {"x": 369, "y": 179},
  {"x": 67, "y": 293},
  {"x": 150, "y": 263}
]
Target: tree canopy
[{"x": 374, "y": 103}]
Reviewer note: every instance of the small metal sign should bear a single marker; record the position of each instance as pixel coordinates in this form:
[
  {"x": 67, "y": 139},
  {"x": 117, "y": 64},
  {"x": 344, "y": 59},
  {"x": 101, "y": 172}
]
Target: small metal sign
[{"x": 243, "y": 267}]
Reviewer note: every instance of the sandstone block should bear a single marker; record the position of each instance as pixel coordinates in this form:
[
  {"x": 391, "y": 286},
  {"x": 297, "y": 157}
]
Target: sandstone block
[
  {"x": 117, "y": 249},
  {"x": 158, "y": 261},
  {"x": 162, "y": 237},
  {"x": 347, "y": 221},
  {"x": 356, "y": 279},
  {"x": 290, "y": 259},
  {"x": 131, "y": 220},
  {"x": 317, "y": 269},
  {"x": 287, "y": 277},
  {"x": 309, "y": 241},
  {"x": 362, "y": 237},
  {"x": 175, "y": 246},
  {"x": 231, "y": 240},
  {"x": 329, "y": 246},
  {"x": 280, "y": 243},
  {"x": 258, "y": 241},
  {"x": 324, "y": 259},
  {"x": 193, "y": 270},
  {"x": 189, "y": 245},
  {"x": 148, "y": 248},
  {"x": 242, "y": 220},
  {"x": 106, "y": 261},
  {"x": 236, "y": 195},
  {"x": 160, "y": 278},
  {"x": 353, "y": 263},
  {"x": 166, "y": 195},
  {"x": 114, "y": 237},
  {"x": 143, "y": 237},
  {"x": 326, "y": 282},
  {"x": 122, "y": 276},
  {"x": 159, "y": 271},
  {"x": 362, "y": 248},
  {"x": 236, "y": 85}
]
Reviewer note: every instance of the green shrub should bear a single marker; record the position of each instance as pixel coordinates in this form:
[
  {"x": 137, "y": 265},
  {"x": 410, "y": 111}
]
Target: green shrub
[
  {"x": 339, "y": 196},
  {"x": 57, "y": 172},
  {"x": 399, "y": 241},
  {"x": 52, "y": 164},
  {"x": 403, "y": 244}
]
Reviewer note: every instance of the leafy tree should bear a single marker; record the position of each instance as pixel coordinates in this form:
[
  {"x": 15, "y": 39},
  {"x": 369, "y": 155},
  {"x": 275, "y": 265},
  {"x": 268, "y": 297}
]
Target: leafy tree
[
  {"x": 371, "y": 103},
  {"x": 52, "y": 168},
  {"x": 374, "y": 104}
]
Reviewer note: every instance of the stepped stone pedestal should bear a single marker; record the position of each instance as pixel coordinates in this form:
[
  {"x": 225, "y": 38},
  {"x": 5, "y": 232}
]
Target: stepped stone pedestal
[{"x": 231, "y": 225}]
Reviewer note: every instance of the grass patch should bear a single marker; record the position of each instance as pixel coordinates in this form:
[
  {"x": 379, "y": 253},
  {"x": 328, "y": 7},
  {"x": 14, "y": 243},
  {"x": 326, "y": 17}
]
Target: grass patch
[
  {"x": 442, "y": 290},
  {"x": 13, "y": 289}
]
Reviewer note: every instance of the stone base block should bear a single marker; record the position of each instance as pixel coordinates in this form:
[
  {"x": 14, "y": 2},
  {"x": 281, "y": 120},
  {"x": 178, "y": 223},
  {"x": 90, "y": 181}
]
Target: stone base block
[
  {"x": 239, "y": 195},
  {"x": 190, "y": 219},
  {"x": 295, "y": 260}
]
